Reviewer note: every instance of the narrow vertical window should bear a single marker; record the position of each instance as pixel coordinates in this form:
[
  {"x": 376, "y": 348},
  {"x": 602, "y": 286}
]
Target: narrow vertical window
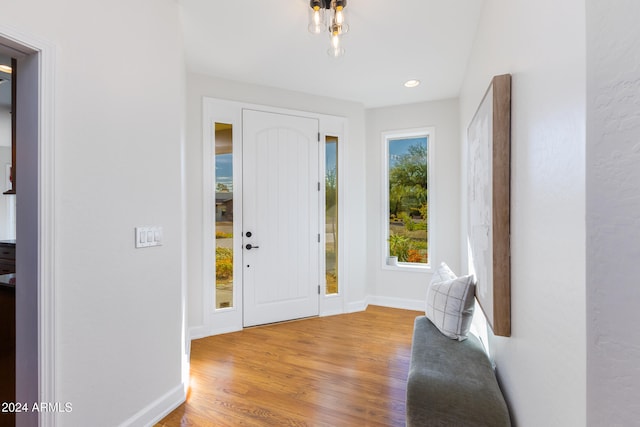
[
  {"x": 407, "y": 163},
  {"x": 331, "y": 214},
  {"x": 224, "y": 215}
]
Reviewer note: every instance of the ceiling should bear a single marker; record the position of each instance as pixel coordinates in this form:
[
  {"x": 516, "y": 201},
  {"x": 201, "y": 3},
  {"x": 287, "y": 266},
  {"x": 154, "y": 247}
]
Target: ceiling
[{"x": 389, "y": 42}]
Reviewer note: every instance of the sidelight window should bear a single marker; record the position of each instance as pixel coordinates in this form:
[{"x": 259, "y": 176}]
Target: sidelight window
[
  {"x": 331, "y": 214},
  {"x": 224, "y": 215}
]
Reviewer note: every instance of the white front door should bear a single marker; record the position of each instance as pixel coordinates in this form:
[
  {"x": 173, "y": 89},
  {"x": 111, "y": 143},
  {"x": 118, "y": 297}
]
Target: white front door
[{"x": 280, "y": 217}]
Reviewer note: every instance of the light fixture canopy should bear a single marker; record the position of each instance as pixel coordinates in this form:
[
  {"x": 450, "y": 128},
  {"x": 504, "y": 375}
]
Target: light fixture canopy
[{"x": 329, "y": 15}]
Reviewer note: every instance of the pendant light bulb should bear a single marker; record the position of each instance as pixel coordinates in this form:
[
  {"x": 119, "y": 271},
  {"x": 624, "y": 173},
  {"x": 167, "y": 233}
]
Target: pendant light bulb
[
  {"x": 339, "y": 17},
  {"x": 336, "y": 50},
  {"x": 316, "y": 17},
  {"x": 335, "y": 40}
]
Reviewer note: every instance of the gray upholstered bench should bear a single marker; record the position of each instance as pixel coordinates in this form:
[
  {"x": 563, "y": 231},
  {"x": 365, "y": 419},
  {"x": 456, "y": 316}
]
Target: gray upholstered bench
[{"x": 451, "y": 383}]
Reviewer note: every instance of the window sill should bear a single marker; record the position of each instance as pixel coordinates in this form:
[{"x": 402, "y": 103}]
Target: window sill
[{"x": 406, "y": 266}]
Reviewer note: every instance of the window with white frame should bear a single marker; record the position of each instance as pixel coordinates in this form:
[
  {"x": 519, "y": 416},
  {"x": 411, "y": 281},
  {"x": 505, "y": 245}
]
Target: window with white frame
[{"x": 407, "y": 184}]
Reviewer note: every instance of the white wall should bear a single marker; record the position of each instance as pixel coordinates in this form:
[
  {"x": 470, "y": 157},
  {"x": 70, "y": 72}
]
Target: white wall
[
  {"x": 5, "y": 124},
  {"x": 613, "y": 213},
  {"x": 542, "y": 366},
  {"x": 7, "y": 202},
  {"x": 354, "y": 232},
  {"x": 407, "y": 289},
  {"x": 118, "y": 134}
]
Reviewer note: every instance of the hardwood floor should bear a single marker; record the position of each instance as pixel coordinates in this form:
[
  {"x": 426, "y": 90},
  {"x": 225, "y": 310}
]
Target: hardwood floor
[{"x": 345, "y": 370}]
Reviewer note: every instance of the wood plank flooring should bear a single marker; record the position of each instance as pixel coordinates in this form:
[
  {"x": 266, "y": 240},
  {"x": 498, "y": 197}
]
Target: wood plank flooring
[{"x": 345, "y": 370}]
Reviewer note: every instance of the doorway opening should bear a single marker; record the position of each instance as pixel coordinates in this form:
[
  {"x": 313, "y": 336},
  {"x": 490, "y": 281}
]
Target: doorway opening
[
  {"x": 8, "y": 69},
  {"x": 33, "y": 183}
]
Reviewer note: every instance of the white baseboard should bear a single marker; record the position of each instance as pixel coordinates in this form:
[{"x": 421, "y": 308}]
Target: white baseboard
[
  {"x": 197, "y": 332},
  {"x": 406, "y": 304},
  {"x": 356, "y": 306},
  {"x": 332, "y": 312},
  {"x": 158, "y": 409}
]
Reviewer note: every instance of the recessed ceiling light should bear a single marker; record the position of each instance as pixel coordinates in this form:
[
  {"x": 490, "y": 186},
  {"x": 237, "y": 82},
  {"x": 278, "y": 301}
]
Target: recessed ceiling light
[
  {"x": 411, "y": 83},
  {"x": 5, "y": 69}
]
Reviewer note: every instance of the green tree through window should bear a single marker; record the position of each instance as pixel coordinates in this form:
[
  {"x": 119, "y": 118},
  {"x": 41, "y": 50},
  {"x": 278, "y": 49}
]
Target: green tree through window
[
  {"x": 331, "y": 215},
  {"x": 408, "y": 199}
]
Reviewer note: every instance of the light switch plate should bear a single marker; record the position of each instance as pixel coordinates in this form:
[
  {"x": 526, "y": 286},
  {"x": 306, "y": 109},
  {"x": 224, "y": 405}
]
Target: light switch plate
[{"x": 148, "y": 236}]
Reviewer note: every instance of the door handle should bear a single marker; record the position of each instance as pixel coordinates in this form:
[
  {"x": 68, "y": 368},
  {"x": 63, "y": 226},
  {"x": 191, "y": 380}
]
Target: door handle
[{"x": 250, "y": 246}]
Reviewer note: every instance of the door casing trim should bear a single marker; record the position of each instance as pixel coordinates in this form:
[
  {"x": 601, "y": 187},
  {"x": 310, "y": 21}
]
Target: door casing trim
[{"x": 41, "y": 54}]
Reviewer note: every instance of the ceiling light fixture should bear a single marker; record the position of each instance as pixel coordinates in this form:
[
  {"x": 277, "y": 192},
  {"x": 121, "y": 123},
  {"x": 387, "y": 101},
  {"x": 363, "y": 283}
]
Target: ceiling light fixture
[
  {"x": 329, "y": 15},
  {"x": 411, "y": 83},
  {"x": 5, "y": 69}
]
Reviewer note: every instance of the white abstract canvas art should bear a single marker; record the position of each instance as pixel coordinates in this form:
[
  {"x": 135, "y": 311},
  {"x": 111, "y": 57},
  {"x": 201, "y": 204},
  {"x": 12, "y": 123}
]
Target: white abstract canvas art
[
  {"x": 480, "y": 216},
  {"x": 488, "y": 193}
]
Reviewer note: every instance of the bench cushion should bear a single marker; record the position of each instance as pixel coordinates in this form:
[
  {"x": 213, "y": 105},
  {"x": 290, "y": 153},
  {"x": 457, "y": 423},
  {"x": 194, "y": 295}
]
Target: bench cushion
[{"x": 451, "y": 383}]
